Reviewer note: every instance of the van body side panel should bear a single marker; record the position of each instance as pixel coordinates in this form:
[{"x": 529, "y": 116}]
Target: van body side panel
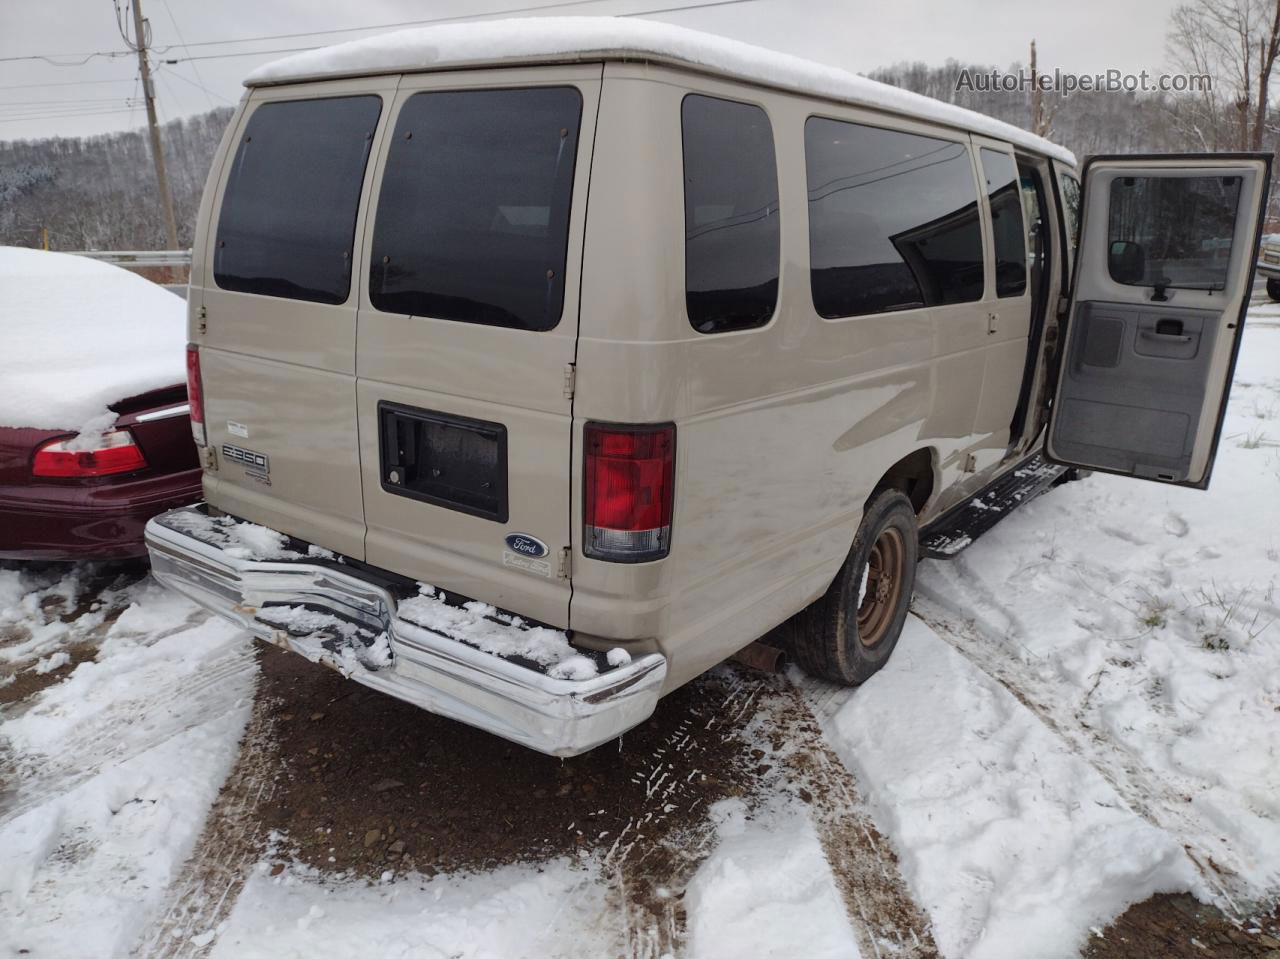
[
  {"x": 782, "y": 431},
  {"x": 279, "y": 372},
  {"x": 513, "y": 378}
]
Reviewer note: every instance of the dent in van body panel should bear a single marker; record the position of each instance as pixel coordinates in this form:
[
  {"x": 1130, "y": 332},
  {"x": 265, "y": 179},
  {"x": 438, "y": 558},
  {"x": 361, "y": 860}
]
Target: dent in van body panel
[
  {"x": 782, "y": 430},
  {"x": 496, "y": 374}
]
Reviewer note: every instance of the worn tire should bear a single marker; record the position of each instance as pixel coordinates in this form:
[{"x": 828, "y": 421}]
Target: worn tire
[
  {"x": 825, "y": 638},
  {"x": 1273, "y": 288}
]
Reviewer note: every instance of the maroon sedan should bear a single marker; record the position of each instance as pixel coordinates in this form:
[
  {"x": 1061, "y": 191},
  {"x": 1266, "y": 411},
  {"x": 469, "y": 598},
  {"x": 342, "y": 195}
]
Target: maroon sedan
[
  {"x": 94, "y": 503},
  {"x": 95, "y": 436}
]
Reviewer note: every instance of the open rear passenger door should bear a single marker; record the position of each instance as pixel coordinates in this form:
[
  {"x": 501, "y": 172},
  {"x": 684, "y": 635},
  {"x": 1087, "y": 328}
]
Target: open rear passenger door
[{"x": 1162, "y": 280}]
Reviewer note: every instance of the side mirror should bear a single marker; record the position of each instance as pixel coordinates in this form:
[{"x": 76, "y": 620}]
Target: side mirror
[{"x": 1127, "y": 262}]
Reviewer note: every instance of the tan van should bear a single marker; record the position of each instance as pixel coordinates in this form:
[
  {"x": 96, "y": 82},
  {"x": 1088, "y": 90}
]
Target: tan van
[{"x": 539, "y": 366}]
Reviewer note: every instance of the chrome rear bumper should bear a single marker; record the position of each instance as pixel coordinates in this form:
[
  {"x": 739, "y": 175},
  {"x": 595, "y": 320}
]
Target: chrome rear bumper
[{"x": 510, "y": 698}]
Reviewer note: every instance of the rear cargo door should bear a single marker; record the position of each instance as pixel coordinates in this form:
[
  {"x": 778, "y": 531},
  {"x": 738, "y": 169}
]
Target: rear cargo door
[
  {"x": 467, "y": 332},
  {"x": 278, "y": 329},
  {"x": 1162, "y": 281}
]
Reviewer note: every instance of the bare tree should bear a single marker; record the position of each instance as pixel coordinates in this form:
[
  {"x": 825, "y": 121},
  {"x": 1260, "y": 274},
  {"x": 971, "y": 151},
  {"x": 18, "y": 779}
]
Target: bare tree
[
  {"x": 1041, "y": 114},
  {"x": 1236, "y": 42}
]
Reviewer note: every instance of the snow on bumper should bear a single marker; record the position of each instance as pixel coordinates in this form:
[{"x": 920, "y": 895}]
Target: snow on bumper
[{"x": 352, "y": 620}]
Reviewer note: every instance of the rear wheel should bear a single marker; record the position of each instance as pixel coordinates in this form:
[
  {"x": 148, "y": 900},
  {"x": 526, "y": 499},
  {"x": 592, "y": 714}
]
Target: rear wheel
[
  {"x": 849, "y": 633},
  {"x": 1273, "y": 287}
]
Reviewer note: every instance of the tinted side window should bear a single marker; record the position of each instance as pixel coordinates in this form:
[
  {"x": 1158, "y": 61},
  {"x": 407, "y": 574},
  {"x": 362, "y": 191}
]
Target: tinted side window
[
  {"x": 473, "y": 217},
  {"x": 288, "y": 217},
  {"x": 893, "y": 220},
  {"x": 1172, "y": 230},
  {"x": 730, "y": 215},
  {"x": 1005, "y": 196}
]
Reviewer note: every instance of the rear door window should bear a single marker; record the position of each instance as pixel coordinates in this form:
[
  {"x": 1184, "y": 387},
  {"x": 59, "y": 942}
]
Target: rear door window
[
  {"x": 1172, "y": 231},
  {"x": 730, "y": 215},
  {"x": 1004, "y": 193},
  {"x": 893, "y": 220},
  {"x": 473, "y": 214},
  {"x": 288, "y": 219}
]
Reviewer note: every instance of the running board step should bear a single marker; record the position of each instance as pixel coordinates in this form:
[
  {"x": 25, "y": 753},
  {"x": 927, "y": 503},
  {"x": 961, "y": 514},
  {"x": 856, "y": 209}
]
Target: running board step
[{"x": 955, "y": 530}]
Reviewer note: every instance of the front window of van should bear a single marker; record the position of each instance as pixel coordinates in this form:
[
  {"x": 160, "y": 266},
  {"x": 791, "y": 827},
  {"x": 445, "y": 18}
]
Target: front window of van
[
  {"x": 288, "y": 216},
  {"x": 893, "y": 220},
  {"x": 731, "y": 239},
  {"x": 473, "y": 214}
]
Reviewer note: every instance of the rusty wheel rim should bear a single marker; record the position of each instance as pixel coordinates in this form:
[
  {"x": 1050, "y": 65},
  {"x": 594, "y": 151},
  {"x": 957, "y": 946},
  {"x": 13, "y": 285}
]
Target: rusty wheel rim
[{"x": 883, "y": 589}]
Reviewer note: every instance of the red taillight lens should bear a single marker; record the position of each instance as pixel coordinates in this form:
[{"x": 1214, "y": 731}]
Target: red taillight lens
[
  {"x": 195, "y": 395},
  {"x": 116, "y": 452},
  {"x": 630, "y": 492}
]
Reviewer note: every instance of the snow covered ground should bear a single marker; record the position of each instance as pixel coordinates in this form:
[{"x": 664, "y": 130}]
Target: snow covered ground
[{"x": 1085, "y": 710}]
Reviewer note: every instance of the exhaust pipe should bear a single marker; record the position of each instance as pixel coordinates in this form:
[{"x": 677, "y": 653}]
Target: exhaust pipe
[{"x": 768, "y": 659}]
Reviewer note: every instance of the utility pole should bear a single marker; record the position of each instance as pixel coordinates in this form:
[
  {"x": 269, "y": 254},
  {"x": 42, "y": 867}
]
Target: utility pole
[{"x": 157, "y": 151}]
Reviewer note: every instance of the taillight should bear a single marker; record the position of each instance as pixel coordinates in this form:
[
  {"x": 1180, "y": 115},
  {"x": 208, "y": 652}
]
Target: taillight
[
  {"x": 195, "y": 395},
  {"x": 630, "y": 491},
  {"x": 115, "y": 452}
]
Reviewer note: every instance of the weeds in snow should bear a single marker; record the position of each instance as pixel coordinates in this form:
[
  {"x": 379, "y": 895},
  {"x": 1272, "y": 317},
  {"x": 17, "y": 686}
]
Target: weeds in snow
[{"x": 1225, "y": 614}]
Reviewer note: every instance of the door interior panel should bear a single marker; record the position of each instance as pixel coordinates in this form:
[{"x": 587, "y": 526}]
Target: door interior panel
[{"x": 1135, "y": 384}]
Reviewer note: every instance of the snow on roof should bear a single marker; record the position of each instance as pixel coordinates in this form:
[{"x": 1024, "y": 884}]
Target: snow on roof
[
  {"x": 80, "y": 335},
  {"x": 560, "y": 39}
]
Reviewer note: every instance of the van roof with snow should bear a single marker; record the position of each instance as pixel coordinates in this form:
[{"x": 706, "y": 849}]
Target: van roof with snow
[{"x": 543, "y": 40}]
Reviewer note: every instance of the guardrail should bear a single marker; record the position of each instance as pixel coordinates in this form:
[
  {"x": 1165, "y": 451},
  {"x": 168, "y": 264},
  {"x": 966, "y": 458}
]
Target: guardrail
[{"x": 137, "y": 258}]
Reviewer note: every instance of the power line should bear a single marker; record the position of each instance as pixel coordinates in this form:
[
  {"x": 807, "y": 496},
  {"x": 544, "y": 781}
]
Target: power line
[
  {"x": 76, "y": 102},
  {"x": 173, "y": 75},
  {"x": 49, "y": 58},
  {"x": 61, "y": 116},
  {"x": 199, "y": 81},
  {"x": 61, "y": 83}
]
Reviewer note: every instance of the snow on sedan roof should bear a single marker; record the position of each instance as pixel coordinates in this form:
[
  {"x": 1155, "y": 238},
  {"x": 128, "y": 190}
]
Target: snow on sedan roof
[
  {"x": 80, "y": 335},
  {"x": 560, "y": 39}
]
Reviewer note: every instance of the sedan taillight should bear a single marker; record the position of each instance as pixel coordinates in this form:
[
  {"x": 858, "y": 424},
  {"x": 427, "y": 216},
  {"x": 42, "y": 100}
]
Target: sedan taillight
[
  {"x": 195, "y": 395},
  {"x": 630, "y": 491},
  {"x": 115, "y": 452}
]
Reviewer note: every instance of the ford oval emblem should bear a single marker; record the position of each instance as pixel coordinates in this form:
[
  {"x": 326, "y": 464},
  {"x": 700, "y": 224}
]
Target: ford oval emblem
[{"x": 526, "y": 545}]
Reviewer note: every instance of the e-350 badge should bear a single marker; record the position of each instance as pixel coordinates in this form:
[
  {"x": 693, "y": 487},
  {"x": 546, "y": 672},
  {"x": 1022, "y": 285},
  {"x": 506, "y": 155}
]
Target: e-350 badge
[{"x": 256, "y": 464}]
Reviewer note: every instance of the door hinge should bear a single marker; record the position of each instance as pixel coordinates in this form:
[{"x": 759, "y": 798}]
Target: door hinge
[
  {"x": 970, "y": 463},
  {"x": 202, "y": 321},
  {"x": 564, "y": 569},
  {"x": 209, "y": 458},
  {"x": 993, "y": 320},
  {"x": 1064, "y": 303},
  {"x": 570, "y": 380}
]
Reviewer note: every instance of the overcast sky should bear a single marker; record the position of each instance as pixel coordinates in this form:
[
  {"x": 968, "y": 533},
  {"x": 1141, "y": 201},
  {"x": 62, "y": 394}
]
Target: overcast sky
[{"x": 38, "y": 99}]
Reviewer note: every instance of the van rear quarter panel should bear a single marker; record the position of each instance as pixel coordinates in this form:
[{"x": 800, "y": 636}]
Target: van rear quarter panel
[{"x": 782, "y": 431}]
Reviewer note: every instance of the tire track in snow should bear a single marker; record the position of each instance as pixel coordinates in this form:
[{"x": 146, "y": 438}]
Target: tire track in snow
[
  {"x": 36, "y": 779},
  {"x": 649, "y": 878},
  {"x": 886, "y": 919},
  {"x": 234, "y": 839},
  {"x": 1162, "y": 805}
]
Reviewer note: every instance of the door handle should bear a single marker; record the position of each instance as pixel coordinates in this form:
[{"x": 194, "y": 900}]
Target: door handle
[
  {"x": 1164, "y": 337},
  {"x": 993, "y": 320}
]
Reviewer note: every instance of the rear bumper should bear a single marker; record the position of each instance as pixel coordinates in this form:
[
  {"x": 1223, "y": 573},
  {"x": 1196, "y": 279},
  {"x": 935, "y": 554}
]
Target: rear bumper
[
  {"x": 74, "y": 522},
  {"x": 511, "y": 698}
]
